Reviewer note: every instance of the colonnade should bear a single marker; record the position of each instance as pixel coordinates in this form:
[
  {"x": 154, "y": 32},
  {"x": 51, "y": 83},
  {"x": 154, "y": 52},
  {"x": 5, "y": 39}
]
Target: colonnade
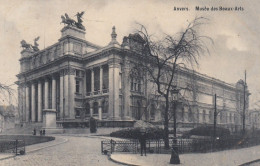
[
  {"x": 58, "y": 91},
  {"x": 54, "y": 91}
]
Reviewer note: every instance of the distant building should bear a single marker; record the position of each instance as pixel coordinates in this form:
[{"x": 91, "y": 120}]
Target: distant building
[
  {"x": 254, "y": 119},
  {"x": 80, "y": 79},
  {"x": 7, "y": 117}
]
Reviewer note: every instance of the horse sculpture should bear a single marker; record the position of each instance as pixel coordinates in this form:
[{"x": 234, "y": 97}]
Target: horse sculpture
[
  {"x": 25, "y": 45},
  {"x": 67, "y": 20}
]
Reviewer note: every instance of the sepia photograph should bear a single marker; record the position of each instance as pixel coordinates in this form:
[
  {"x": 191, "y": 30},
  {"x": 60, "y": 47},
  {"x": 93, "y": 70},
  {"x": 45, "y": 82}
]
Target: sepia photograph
[{"x": 138, "y": 83}]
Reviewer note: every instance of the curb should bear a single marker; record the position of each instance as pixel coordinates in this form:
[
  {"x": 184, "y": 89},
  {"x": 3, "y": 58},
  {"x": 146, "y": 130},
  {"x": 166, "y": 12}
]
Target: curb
[
  {"x": 250, "y": 162},
  {"x": 34, "y": 150},
  {"x": 8, "y": 157},
  {"x": 120, "y": 162}
]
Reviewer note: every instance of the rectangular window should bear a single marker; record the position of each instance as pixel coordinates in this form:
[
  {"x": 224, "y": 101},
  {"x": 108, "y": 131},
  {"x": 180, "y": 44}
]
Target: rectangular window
[
  {"x": 139, "y": 87},
  {"x": 96, "y": 79},
  {"x": 77, "y": 73},
  {"x": 77, "y": 86}
]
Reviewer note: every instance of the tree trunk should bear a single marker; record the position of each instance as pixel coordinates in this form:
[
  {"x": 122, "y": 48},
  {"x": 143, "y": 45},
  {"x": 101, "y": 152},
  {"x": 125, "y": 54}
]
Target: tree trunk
[
  {"x": 166, "y": 125},
  {"x": 215, "y": 120}
]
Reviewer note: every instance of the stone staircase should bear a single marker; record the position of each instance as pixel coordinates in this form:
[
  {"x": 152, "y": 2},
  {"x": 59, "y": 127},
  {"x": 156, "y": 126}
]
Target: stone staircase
[{"x": 26, "y": 128}]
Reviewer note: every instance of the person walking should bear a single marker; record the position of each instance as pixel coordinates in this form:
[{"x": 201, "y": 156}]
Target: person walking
[{"x": 142, "y": 140}]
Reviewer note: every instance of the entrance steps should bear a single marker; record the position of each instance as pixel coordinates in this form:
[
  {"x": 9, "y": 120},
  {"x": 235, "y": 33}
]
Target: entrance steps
[{"x": 25, "y": 128}]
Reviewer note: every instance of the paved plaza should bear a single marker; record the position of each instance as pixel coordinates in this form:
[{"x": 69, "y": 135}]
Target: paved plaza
[
  {"x": 74, "y": 151},
  {"x": 81, "y": 150}
]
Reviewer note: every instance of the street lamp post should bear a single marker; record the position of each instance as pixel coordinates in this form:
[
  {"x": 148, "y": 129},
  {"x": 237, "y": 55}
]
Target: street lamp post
[{"x": 175, "y": 159}]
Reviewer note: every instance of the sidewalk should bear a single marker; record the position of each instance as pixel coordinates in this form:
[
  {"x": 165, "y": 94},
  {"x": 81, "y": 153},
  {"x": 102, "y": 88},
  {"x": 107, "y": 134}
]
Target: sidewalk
[
  {"x": 36, "y": 147},
  {"x": 223, "y": 158}
]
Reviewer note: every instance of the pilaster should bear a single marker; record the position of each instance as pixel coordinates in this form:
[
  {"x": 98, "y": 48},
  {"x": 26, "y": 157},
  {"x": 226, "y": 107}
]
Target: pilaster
[
  {"x": 72, "y": 90},
  {"x": 53, "y": 92},
  {"x": 61, "y": 94},
  {"x": 114, "y": 68}
]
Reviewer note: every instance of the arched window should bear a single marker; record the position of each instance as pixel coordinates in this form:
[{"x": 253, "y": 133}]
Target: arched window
[
  {"x": 139, "y": 110},
  {"x": 104, "y": 107},
  {"x": 204, "y": 116},
  {"x": 210, "y": 115},
  {"x": 182, "y": 113},
  {"x": 221, "y": 117},
  {"x": 152, "y": 111},
  {"x": 77, "y": 113},
  {"x": 198, "y": 115},
  {"x": 87, "y": 109},
  {"x": 190, "y": 115},
  {"x": 95, "y": 108}
]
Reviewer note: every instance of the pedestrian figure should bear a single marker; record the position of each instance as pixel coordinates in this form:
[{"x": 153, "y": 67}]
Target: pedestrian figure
[
  {"x": 142, "y": 140},
  {"x": 34, "y": 131},
  {"x": 43, "y": 132}
]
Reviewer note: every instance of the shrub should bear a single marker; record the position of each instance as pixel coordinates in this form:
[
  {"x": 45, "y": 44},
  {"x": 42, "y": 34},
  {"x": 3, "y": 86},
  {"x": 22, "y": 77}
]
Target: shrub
[
  {"x": 134, "y": 133},
  {"x": 208, "y": 131}
]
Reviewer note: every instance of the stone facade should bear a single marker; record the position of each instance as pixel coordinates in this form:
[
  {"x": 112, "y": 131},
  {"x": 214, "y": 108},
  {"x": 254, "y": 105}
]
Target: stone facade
[{"x": 80, "y": 79}]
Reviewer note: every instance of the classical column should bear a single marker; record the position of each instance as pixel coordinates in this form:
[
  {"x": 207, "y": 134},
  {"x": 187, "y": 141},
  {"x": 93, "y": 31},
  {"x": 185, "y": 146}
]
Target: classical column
[
  {"x": 53, "y": 96},
  {"x": 114, "y": 68},
  {"x": 92, "y": 80},
  {"x": 61, "y": 95},
  {"x": 91, "y": 108},
  {"x": 27, "y": 103},
  {"x": 46, "y": 94},
  {"x": 86, "y": 82},
  {"x": 24, "y": 102},
  {"x": 39, "y": 101},
  {"x": 71, "y": 93},
  {"x": 100, "y": 110},
  {"x": 101, "y": 79},
  {"x": 33, "y": 102}
]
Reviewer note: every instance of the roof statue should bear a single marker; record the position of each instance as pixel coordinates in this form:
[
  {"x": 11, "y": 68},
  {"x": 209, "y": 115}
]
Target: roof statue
[
  {"x": 27, "y": 46},
  {"x": 70, "y": 22},
  {"x": 35, "y": 47}
]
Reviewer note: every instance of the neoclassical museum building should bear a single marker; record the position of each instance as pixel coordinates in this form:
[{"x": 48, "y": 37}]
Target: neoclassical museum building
[{"x": 80, "y": 80}]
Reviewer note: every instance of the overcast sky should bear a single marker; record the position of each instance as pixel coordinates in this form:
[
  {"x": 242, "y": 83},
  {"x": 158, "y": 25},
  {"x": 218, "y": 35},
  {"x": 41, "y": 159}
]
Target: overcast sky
[{"x": 236, "y": 34}]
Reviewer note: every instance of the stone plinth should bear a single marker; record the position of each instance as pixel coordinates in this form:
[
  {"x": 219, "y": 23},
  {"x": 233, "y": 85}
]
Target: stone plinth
[
  {"x": 26, "y": 53},
  {"x": 73, "y": 31},
  {"x": 49, "y": 122}
]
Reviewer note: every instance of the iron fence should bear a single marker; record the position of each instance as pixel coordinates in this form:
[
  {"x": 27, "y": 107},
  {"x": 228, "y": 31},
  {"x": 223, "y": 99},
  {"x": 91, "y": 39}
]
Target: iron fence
[
  {"x": 12, "y": 146},
  {"x": 184, "y": 145}
]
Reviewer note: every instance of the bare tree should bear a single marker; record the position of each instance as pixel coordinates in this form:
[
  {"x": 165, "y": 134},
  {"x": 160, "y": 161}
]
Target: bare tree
[
  {"x": 162, "y": 59},
  {"x": 6, "y": 93}
]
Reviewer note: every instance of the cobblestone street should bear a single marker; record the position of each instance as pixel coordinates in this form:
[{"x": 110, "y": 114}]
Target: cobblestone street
[{"x": 76, "y": 152}]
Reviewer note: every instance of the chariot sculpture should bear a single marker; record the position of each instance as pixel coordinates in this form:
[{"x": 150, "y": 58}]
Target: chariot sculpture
[{"x": 66, "y": 20}]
